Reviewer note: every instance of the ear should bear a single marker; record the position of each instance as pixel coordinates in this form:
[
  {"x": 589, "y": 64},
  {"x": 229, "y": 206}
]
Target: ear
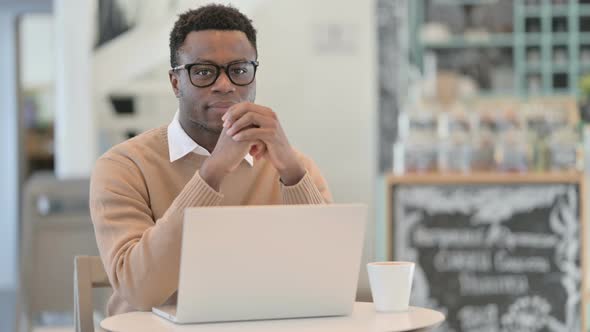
[{"x": 174, "y": 82}]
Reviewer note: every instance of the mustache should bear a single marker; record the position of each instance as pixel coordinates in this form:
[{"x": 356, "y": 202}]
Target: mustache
[{"x": 222, "y": 103}]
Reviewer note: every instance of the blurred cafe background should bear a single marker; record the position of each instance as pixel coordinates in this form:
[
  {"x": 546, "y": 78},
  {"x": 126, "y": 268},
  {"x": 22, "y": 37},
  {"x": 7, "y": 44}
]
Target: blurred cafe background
[{"x": 463, "y": 124}]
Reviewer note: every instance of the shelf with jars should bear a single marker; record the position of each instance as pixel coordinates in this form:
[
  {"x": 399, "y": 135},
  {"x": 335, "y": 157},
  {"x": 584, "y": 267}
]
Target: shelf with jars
[
  {"x": 505, "y": 135},
  {"x": 542, "y": 45}
]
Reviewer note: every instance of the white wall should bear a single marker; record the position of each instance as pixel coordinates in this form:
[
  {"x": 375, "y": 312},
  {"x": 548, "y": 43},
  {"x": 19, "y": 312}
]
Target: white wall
[
  {"x": 75, "y": 131},
  {"x": 37, "y": 51},
  {"x": 9, "y": 133},
  {"x": 325, "y": 99}
]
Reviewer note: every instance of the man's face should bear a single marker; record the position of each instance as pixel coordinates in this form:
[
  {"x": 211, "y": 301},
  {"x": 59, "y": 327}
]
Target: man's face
[{"x": 202, "y": 108}]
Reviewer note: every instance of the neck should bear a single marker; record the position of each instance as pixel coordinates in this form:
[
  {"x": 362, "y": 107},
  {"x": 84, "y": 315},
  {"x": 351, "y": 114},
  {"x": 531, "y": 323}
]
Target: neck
[{"x": 201, "y": 134}]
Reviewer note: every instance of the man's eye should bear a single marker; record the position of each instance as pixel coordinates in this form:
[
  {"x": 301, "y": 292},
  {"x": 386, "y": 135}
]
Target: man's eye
[
  {"x": 239, "y": 71},
  {"x": 202, "y": 72}
]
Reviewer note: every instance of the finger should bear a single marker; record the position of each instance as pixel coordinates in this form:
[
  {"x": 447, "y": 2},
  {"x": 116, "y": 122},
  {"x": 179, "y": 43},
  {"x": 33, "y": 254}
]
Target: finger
[
  {"x": 264, "y": 134},
  {"x": 250, "y": 120},
  {"x": 256, "y": 146},
  {"x": 262, "y": 152},
  {"x": 253, "y": 150},
  {"x": 238, "y": 110},
  {"x": 257, "y": 149}
]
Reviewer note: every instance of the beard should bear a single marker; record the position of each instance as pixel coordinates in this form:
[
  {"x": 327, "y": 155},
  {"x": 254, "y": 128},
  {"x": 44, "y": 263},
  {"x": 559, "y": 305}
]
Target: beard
[{"x": 201, "y": 125}]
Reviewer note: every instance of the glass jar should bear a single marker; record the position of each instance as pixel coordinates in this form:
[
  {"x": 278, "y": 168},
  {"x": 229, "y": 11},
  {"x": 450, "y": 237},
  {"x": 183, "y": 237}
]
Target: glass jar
[
  {"x": 512, "y": 152},
  {"x": 563, "y": 150},
  {"x": 420, "y": 153},
  {"x": 454, "y": 148},
  {"x": 482, "y": 143}
]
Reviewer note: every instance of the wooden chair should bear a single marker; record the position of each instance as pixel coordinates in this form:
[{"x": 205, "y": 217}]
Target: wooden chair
[{"x": 89, "y": 273}]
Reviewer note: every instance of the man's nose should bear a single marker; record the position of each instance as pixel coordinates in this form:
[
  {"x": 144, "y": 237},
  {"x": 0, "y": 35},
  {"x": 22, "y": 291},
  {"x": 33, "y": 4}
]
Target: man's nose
[{"x": 223, "y": 83}]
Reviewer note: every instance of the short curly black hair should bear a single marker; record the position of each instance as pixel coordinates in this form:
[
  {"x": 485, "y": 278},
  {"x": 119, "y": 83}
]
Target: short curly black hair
[{"x": 209, "y": 17}]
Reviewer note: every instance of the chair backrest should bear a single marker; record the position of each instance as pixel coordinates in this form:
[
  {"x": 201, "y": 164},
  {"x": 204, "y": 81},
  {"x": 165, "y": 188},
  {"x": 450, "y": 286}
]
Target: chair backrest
[
  {"x": 89, "y": 273},
  {"x": 55, "y": 226}
]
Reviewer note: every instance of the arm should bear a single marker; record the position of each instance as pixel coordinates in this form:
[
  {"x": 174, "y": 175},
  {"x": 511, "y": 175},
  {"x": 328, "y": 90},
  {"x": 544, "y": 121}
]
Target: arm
[
  {"x": 301, "y": 181},
  {"x": 311, "y": 189},
  {"x": 141, "y": 255}
]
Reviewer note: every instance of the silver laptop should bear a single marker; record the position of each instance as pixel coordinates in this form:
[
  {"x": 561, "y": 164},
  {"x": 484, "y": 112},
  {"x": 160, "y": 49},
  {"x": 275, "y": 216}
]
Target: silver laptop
[{"x": 268, "y": 262}]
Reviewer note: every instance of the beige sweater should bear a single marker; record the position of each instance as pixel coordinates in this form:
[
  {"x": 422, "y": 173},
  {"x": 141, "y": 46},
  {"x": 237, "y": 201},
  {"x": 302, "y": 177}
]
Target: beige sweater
[{"x": 137, "y": 199}]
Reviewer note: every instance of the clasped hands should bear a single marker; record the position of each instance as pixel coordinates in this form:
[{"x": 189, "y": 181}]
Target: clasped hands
[{"x": 254, "y": 129}]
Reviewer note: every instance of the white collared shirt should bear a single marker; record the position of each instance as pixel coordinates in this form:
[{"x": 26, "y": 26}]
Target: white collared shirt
[{"x": 180, "y": 143}]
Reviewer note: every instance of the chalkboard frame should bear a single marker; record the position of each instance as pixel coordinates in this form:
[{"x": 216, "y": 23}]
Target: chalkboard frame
[{"x": 496, "y": 178}]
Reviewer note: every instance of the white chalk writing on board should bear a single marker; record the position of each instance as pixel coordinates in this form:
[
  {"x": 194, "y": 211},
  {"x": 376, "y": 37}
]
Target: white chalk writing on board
[
  {"x": 463, "y": 260},
  {"x": 491, "y": 258},
  {"x": 489, "y": 205},
  {"x": 475, "y": 237},
  {"x": 479, "y": 318},
  {"x": 473, "y": 285}
]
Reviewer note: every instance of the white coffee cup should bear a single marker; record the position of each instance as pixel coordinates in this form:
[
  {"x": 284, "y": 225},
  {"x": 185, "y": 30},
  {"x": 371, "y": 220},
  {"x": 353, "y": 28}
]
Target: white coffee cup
[{"x": 391, "y": 284}]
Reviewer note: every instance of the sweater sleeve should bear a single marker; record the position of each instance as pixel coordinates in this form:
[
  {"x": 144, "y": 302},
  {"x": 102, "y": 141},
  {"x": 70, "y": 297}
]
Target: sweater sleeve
[
  {"x": 311, "y": 189},
  {"x": 141, "y": 255}
]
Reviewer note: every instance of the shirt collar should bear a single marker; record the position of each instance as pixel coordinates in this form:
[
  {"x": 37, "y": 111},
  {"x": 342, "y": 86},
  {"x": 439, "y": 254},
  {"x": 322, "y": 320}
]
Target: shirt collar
[{"x": 180, "y": 143}]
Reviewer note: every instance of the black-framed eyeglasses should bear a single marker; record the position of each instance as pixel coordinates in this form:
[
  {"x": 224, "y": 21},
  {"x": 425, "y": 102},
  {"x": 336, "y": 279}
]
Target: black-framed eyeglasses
[{"x": 203, "y": 75}]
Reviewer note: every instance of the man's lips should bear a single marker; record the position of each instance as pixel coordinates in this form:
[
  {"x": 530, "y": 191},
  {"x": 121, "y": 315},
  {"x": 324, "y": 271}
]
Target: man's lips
[{"x": 220, "y": 106}]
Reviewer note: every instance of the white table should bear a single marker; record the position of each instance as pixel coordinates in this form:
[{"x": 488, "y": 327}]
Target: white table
[{"x": 364, "y": 318}]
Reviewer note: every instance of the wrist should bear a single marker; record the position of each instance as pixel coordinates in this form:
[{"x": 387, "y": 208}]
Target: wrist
[
  {"x": 292, "y": 173},
  {"x": 211, "y": 174}
]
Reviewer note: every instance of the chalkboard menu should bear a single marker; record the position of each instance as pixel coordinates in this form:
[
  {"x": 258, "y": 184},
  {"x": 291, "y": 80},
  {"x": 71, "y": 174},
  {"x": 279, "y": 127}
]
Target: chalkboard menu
[{"x": 493, "y": 257}]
